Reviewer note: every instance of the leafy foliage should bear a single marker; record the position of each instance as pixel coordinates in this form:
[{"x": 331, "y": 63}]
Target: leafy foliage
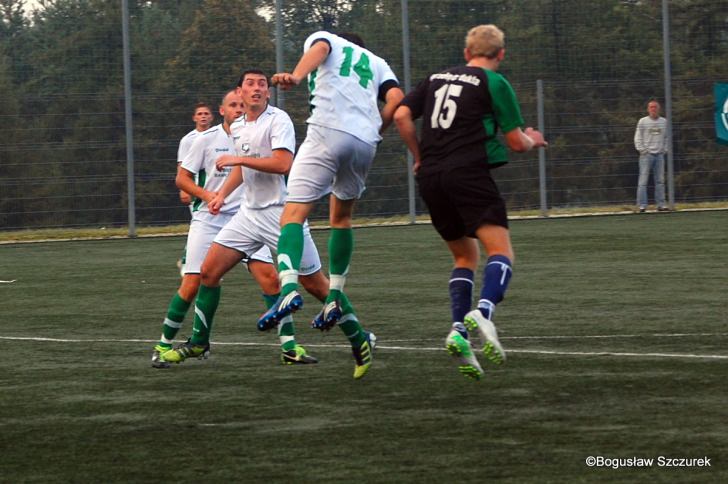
[{"x": 62, "y": 137}]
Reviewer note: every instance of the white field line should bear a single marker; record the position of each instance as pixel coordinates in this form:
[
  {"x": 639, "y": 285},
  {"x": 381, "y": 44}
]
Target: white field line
[
  {"x": 592, "y": 336},
  {"x": 400, "y": 348}
]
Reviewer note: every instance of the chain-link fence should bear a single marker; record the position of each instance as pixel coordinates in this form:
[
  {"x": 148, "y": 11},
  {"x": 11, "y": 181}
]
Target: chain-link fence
[{"x": 63, "y": 157}]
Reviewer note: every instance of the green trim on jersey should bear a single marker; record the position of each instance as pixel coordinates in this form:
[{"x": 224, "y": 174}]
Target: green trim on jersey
[
  {"x": 201, "y": 179},
  {"x": 311, "y": 87},
  {"x": 496, "y": 152},
  {"x": 506, "y": 116}
]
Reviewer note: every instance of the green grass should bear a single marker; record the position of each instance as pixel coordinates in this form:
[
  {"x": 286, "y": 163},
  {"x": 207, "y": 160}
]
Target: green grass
[{"x": 93, "y": 410}]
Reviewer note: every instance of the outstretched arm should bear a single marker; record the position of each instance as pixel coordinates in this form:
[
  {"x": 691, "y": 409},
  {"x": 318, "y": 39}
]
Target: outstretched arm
[
  {"x": 309, "y": 61},
  {"x": 524, "y": 140}
]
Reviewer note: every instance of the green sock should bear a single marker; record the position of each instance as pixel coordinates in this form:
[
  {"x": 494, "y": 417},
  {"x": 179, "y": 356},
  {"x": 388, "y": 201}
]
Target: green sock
[
  {"x": 286, "y": 330},
  {"x": 270, "y": 300},
  {"x": 341, "y": 247},
  {"x": 205, "y": 306},
  {"x": 352, "y": 329},
  {"x": 173, "y": 322},
  {"x": 290, "y": 250},
  {"x": 346, "y": 307},
  {"x": 286, "y": 333}
]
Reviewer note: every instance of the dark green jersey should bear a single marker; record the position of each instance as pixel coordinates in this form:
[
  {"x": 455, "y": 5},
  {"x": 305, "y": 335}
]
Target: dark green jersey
[{"x": 462, "y": 109}]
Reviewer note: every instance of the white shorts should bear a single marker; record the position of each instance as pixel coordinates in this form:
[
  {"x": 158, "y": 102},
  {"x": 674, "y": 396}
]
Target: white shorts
[
  {"x": 203, "y": 230},
  {"x": 250, "y": 230},
  {"x": 329, "y": 161}
]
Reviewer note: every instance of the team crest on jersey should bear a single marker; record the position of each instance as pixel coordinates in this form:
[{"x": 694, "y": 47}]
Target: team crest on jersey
[{"x": 245, "y": 147}]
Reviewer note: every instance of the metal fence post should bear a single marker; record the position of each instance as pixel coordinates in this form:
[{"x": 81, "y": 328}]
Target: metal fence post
[
  {"x": 128, "y": 119},
  {"x": 668, "y": 104},
  {"x": 541, "y": 151},
  {"x": 279, "y": 94},
  {"x": 407, "y": 86}
]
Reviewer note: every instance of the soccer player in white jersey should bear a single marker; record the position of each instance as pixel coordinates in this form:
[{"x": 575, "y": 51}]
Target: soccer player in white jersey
[
  {"x": 203, "y": 118},
  {"x": 264, "y": 146},
  {"x": 346, "y": 81},
  {"x": 199, "y": 177}
]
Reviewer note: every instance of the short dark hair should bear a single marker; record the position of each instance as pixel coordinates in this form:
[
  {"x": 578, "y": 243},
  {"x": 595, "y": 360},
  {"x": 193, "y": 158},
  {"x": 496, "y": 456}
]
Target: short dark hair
[
  {"x": 201, "y": 105},
  {"x": 233, "y": 90},
  {"x": 353, "y": 38},
  {"x": 251, "y": 71}
]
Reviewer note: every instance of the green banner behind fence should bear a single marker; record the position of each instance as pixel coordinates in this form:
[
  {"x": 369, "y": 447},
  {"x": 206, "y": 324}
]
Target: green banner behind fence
[{"x": 721, "y": 113}]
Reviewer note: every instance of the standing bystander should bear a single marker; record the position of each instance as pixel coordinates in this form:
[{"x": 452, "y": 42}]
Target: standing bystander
[{"x": 650, "y": 140}]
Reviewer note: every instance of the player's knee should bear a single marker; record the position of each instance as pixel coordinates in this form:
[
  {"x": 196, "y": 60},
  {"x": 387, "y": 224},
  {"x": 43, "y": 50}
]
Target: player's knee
[
  {"x": 265, "y": 275},
  {"x": 188, "y": 288},
  {"x": 209, "y": 276}
]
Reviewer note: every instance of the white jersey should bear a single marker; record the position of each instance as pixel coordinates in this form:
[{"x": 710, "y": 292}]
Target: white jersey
[
  {"x": 272, "y": 130},
  {"x": 345, "y": 87},
  {"x": 185, "y": 144},
  {"x": 200, "y": 160},
  {"x": 651, "y": 135}
]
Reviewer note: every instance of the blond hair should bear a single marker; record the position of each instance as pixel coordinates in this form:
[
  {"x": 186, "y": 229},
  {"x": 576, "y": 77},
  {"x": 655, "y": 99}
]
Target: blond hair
[{"x": 484, "y": 40}]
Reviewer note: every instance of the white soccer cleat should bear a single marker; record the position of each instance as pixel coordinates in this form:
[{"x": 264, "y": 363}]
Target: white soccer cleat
[{"x": 492, "y": 348}]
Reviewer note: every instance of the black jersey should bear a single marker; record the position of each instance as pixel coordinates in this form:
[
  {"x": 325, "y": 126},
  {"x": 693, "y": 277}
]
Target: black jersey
[{"x": 462, "y": 109}]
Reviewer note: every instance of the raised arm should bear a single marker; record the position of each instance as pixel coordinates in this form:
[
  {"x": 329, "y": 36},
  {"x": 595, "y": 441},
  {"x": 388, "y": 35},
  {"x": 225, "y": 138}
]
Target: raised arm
[{"x": 309, "y": 61}]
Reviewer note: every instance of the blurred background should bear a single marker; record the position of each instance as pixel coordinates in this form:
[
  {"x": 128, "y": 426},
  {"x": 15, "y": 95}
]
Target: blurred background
[{"x": 63, "y": 144}]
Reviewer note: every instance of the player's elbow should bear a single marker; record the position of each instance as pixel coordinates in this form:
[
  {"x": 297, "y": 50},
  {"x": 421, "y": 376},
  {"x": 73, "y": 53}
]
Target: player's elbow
[
  {"x": 283, "y": 162},
  {"x": 392, "y": 100},
  {"x": 402, "y": 117},
  {"x": 179, "y": 181}
]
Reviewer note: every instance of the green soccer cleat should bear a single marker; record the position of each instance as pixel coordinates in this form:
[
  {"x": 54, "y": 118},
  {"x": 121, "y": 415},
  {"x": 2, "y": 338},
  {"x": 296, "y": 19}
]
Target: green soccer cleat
[
  {"x": 460, "y": 348},
  {"x": 158, "y": 360},
  {"x": 363, "y": 355},
  {"x": 187, "y": 350},
  {"x": 492, "y": 348},
  {"x": 297, "y": 356}
]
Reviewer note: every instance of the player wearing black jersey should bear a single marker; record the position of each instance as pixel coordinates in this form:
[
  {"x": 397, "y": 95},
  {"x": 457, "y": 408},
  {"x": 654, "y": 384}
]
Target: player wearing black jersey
[{"x": 462, "y": 109}]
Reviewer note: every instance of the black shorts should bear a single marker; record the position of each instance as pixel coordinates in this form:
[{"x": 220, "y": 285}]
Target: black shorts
[{"x": 461, "y": 200}]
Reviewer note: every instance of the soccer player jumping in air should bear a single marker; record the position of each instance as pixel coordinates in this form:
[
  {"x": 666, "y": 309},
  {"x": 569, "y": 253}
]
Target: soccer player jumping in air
[
  {"x": 345, "y": 82},
  {"x": 462, "y": 107}
]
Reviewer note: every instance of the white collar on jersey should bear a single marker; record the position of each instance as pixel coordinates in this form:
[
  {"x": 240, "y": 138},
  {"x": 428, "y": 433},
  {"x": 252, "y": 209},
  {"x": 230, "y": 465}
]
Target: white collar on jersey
[{"x": 268, "y": 110}]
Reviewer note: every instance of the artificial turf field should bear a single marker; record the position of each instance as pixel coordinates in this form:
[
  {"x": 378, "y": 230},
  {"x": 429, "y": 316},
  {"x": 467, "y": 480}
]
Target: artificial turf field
[{"x": 616, "y": 327}]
